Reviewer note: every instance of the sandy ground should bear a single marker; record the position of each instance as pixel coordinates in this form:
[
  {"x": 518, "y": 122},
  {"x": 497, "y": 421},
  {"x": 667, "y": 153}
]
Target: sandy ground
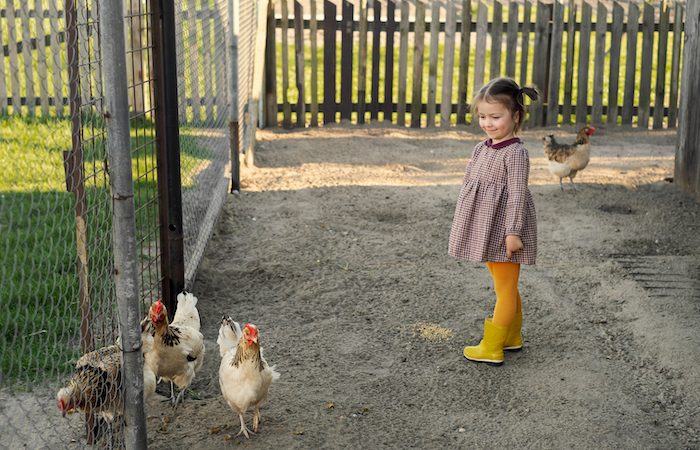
[{"x": 336, "y": 249}]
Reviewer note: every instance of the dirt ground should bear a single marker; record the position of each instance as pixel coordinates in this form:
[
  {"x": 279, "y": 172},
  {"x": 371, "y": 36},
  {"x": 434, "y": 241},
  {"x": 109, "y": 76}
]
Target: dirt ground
[{"x": 337, "y": 249}]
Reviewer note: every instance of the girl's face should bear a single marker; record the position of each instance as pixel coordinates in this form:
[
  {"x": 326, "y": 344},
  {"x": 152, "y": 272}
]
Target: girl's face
[{"x": 496, "y": 120}]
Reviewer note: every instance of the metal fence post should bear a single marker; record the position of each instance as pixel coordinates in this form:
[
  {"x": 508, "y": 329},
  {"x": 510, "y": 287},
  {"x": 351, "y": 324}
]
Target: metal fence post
[
  {"x": 124, "y": 225},
  {"x": 234, "y": 130}
]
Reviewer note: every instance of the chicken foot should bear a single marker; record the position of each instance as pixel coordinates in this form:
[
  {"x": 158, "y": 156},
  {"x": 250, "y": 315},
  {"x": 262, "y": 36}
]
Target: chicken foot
[
  {"x": 256, "y": 419},
  {"x": 244, "y": 429}
]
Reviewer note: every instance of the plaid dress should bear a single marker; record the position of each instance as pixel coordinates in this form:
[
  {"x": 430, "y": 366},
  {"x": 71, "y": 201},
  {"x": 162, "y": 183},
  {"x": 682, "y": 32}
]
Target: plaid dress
[{"x": 494, "y": 202}]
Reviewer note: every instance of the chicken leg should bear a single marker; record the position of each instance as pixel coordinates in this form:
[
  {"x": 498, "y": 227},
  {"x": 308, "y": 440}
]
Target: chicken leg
[{"x": 244, "y": 429}]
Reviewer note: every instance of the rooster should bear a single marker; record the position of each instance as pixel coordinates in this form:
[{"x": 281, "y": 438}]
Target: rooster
[
  {"x": 566, "y": 160},
  {"x": 178, "y": 348},
  {"x": 244, "y": 375}
]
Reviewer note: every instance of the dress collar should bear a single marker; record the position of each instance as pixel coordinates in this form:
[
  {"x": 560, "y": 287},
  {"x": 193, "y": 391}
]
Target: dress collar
[{"x": 502, "y": 144}]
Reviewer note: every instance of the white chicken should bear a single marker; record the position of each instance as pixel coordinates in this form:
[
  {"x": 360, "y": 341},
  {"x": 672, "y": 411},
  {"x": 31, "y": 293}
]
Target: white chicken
[
  {"x": 244, "y": 375},
  {"x": 178, "y": 348}
]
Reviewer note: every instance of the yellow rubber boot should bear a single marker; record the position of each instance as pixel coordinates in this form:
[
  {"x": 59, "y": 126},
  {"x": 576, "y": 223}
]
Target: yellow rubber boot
[
  {"x": 514, "y": 341},
  {"x": 490, "y": 350}
]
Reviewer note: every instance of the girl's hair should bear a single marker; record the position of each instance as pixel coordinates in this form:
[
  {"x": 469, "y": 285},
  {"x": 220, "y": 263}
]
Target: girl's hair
[{"x": 505, "y": 91}]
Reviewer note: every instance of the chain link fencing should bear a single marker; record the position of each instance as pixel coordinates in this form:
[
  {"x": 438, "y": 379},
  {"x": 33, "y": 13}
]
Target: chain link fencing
[{"x": 57, "y": 283}]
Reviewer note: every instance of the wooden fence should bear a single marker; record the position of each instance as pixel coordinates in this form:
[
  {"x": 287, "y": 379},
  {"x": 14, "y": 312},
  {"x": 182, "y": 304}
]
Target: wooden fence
[
  {"x": 34, "y": 76},
  {"x": 598, "y": 67}
]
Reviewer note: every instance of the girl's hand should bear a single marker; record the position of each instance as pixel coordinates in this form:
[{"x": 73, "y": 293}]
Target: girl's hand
[{"x": 513, "y": 244}]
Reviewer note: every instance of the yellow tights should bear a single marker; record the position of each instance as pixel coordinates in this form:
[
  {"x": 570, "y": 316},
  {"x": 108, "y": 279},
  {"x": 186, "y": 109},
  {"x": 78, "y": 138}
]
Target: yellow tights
[{"x": 505, "y": 282}]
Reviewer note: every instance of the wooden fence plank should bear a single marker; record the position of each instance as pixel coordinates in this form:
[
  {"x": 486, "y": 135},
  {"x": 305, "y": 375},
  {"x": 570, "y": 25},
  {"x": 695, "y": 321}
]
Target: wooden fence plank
[
  {"x": 675, "y": 65},
  {"x": 41, "y": 58},
  {"x": 615, "y": 48},
  {"x": 209, "y": 76},
  {"x": 329, "y": 53},
  {"x": 511, "y": 39},
  {"x": 27, "y": 58},
  {"x": 599, "y": 68},
  {"x": 584, "y": 51},
  {"x": 220, "y": 59},
  {"x": 525, "y": 43},
  {"x": 362, "y": 65},
  {"x": 3, "y": 81},
  {"x": 630, "y": 63},
  {"x": 389, "y": 61},
  {"x": 271, "y": 106},
  {"x": 403, "y": 65},
  {"x": 647, "y": 61},
  {"x": 313, "y": 30},
  {"x": 194, "y": 62},
  {"x": 464, "y": 48},
  {"x": 376, "y": 49},
  {"x": 299, "y": 64},
  {"x": 418, "y": 49},
  {"x": 567, "y": 110},
  {"x": 539, "y": 61},
  {"x": 448, "y": 66},
  {"x": 496, "y": 40},
  {"x": 286, "y": 106},
  {"x": 480, "y": 47},
  {"x": 687, "y": 162},
  {"x": 660, "y": 92},
  {"x": 346, "y": 72},
  {"x": 433, "y": 63},
  {"x": 555, "y": 64}
]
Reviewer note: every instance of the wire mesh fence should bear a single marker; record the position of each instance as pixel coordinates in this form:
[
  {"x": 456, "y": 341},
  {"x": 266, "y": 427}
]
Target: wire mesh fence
[{"x": 57, "y": 281}]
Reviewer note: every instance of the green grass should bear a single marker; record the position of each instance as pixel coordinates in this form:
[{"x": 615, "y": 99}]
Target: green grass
[{"x": 39, "y": 287}]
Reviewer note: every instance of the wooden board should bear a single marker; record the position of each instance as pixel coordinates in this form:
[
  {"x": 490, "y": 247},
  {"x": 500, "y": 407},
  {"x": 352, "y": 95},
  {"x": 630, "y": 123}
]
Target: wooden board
[
  {"x": 376, "y": 49},
  {"x": 433, "y": 63},
  {"x": 42, "y": 69},
  {"x": 329, "y": 28},
  {"x": 30, "y": 98},
  {"x": 388, "y": 106},
  {"x": 313, "y": 38},
  {"x": 675, "y": 65},
  {"x": 482, "y": 26},
  {"x": 525, "y": 43},
  {"x": 646, "y": 70},
  {"x": 346, "y": 72},
  {"x": 403, "y": 65},
  {"x": 599, "y": 67},
  {"x": 270, "y": 98},
  {"x": 448, "y": 66},
  {"x": 584, "y": 59},
  {"x": 362, "y": 65},
  {"x": 464, "y": 49},
  {"x": 286, "y": 106},
  {"x": 567, "y": 110},
  {"x": 511, "y": 39},
  {"x": 614, "y": 72},
  {"x": 555, "y": 64},
  {"x": 496, "y": 41},
  {"x": 660, "y": 91},
  {"x": 630, "y": 63},
  {"x": 299, "y": 64},
  {"x": 539, "y": 61},
  {"x": 418, "y": 49}
]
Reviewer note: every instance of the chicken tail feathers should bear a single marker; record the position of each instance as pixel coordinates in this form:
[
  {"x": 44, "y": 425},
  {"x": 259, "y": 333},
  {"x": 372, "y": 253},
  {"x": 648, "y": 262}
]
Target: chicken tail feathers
[
  {"x": 186, "y": 312},
  {"x": 229, "y": 335}
]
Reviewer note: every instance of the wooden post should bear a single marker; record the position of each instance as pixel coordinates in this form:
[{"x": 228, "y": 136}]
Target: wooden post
[
  {"x": 329, "y": 62},
  {"x": 675, "y": 65},
  {"x": 599, "y": 68},
  {"x": 583, "y": 64},
  {"x": 403, "y": 65},
  {"x": 615, "y": 47},
  {"x": 346, "y": 82},
  {"x": 555, "y": 61},
  {"x": 313, "y": 31},
  {"x": 299, "y": 63},
  {"x": 687, "y": 167},
  {"x": 271, "y": 106},
  {"x": 286, "y": 106},
  {"x": 448, "y": 67},
  {"x": 389, "y": 61},
  {"x": 419, "y": 45},
  {"x": 433, "y": 63},
  {"x": 660, "y": 90},
  {"x": 362, "y": 65},
  {"x": 462, "y": 105},
  {"x": 376, "y": 48}
]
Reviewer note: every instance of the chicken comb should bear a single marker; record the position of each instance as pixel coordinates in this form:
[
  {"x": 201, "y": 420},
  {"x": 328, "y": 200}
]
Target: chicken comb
[
  {"x": 252, "y": 331},
  {"x": 158, "y": 307}
]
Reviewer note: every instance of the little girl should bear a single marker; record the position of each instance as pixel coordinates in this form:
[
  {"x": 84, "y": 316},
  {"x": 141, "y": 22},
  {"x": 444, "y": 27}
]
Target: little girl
[{"x": 495, "y": 218}]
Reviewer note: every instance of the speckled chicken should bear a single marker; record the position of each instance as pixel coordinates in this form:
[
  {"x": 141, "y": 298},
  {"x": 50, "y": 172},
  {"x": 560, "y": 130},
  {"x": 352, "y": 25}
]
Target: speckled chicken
[
  {"x": 567, "y": 160},
  {"x": 178, "y": 348},
  {"x": 244, "y": 375}
]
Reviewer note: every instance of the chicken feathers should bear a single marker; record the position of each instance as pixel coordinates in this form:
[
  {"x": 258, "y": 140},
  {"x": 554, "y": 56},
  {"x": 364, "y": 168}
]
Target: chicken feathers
[
  {"x": 244, "y": 375},
  {"x": 178, "y": 348},
  {"x": 96, "y": 385},
  {"x": 567, "y": 160}
]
